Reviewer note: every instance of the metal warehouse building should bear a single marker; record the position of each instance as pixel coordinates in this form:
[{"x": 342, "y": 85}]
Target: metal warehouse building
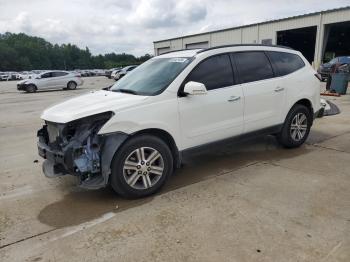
[{"x": 319, "y": 36}]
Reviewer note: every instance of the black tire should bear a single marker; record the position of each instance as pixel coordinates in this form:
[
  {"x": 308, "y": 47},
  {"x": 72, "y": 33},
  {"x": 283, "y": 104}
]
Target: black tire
[
  {"x": 71, "y": 85},
  {"x": 285, "y": 137},
  {"x": 31, "y": 88},
  {"x": 118, "y": 175}
]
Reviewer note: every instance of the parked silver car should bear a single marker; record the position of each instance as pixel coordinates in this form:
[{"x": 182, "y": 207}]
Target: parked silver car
[
  {"x": 121, "y": 73},
  {"x": 51, "y": 80}
]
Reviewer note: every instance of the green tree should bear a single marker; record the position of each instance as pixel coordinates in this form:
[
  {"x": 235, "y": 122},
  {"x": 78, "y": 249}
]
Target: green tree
[{"x": 19, "y": 52}]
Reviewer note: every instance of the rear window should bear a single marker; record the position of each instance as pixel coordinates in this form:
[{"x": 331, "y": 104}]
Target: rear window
[
  {"x": 253, "y": 66},
  {"x": 285, "y": 63}
]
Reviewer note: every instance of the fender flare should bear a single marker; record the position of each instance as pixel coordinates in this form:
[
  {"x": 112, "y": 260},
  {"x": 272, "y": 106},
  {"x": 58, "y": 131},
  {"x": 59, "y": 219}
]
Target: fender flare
[{"x": 111, "y": 144}]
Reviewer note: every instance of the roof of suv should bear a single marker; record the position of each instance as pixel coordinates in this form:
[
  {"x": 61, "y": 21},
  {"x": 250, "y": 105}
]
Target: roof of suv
[{"x": 193, "y": 52}]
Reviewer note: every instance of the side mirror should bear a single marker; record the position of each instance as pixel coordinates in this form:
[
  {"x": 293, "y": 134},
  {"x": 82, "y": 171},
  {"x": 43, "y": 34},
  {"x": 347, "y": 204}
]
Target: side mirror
[
  {"x": 107, "y": 88},
  {"x": 319, "y": 77},
  {"x": 195, "y": 88}
]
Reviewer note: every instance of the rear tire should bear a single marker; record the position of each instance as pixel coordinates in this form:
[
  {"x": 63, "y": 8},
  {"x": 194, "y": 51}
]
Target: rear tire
[
  {"x": 71, "y": 85},
  {"x": 31, "y": 88},
  {"x": 296, "y": 127},
  {"x": 141, "y": 166}
]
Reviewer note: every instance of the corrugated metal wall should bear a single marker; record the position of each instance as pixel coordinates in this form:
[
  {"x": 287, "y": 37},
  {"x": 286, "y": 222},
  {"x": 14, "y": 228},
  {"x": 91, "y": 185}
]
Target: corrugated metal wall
[{"x": 264, "y": 31}]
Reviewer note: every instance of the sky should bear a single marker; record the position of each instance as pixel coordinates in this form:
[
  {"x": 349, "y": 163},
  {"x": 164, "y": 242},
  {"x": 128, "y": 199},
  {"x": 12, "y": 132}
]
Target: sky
[{"x": 131, "y": 26}]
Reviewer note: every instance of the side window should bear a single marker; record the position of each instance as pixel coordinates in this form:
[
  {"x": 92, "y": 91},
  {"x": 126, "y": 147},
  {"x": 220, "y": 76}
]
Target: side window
[
  {"x": 253, "y": 66},
  {"x": 344, "y": 60},
  {"x": 46, "y": 75},
  {"x": 285, "y": 63},
  {"x": 56, "y": 74},
  {"x": 214, "y": 72}
]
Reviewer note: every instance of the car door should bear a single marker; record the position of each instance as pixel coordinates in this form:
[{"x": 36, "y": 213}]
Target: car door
[
  {"x": 216, "y": 115},
  {"x": 264, "y": 94},
  {"x": 45, "y": 81},
  {"x": 59, "y": 79}
]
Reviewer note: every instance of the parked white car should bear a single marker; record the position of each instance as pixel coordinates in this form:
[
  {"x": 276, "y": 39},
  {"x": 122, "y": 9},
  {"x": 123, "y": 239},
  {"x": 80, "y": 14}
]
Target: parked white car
[
  {"x": 122, "y": 72},
  {"x": 4, "y": 76},
  {"x": 115, "y": 72},
  {"x": 133, "y": 136},
  {"x": 50, "y": 80}
]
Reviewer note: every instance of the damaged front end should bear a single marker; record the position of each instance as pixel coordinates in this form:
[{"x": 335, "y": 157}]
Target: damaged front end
[{"x": 77, "y": 149}]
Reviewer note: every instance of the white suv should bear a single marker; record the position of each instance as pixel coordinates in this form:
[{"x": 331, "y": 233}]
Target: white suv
[
  {"x": 135, "y": 134},
  {"x": 50, "y": 80}
]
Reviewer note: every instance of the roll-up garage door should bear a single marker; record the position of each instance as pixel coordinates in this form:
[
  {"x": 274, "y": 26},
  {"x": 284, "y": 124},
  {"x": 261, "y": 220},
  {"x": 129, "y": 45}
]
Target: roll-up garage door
[
  {"x": 163, "y": 50},
  {"x": 197, "y": 45}
]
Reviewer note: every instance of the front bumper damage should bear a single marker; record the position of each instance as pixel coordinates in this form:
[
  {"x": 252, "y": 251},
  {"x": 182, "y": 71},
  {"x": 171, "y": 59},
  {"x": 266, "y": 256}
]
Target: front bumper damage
[
  {"x": 77, "y": 149},
  {"x": 22, "y": 87}
]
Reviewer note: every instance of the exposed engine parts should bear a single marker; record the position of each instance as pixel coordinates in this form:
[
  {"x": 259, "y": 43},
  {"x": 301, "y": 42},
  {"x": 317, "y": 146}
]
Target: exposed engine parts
[{"x": 76, "y": 148}]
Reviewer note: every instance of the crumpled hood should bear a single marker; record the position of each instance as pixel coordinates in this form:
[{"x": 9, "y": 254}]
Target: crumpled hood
[{"x": 89, "y": 104}]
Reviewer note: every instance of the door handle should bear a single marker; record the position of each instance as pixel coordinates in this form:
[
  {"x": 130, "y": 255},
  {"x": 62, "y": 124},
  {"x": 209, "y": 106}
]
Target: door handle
[
  {"x": 279, "y": 89},
  {"x": 234, "y": 98}
]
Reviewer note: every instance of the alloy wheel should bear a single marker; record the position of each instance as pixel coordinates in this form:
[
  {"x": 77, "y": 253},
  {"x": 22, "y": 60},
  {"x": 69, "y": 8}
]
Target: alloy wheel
[
  {"x": 143, "y": 168},
  {"x": 298, "y": 127},
  {"x": 71, "y": 85}
]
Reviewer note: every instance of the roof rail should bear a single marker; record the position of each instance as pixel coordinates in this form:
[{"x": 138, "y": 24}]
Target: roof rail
[
  {"x": 237, "y": 45},
  {"x": 179, "y": 50}
]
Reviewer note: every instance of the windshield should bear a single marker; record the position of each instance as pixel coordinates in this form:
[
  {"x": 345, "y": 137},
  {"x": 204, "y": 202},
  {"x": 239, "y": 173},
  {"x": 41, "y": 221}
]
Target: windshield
[{"x": 152, "y": 77}]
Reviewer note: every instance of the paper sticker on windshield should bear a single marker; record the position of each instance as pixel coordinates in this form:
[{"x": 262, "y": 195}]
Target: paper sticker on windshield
[{"x": 177, "y": 60}]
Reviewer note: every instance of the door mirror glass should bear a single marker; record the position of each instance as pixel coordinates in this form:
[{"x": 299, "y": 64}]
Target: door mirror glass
[{"x": 195, "y": 88}]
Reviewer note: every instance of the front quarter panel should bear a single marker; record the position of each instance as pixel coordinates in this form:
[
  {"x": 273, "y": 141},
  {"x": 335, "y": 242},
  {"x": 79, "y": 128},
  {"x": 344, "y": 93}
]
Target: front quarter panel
[{"x": 160, "y": 113}]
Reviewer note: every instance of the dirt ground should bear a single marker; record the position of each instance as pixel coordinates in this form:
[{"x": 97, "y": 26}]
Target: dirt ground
[{"x": 249, "y": 202}]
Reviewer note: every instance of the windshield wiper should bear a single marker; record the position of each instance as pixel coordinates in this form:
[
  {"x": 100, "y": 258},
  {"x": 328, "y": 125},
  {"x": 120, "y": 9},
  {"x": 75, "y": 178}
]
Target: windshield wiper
[{"x": 128, "y": 91}]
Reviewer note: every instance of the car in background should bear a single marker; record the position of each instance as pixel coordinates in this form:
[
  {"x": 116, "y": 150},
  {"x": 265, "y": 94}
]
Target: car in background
[
  {"x": 114, "y": 73},
  {"x": 325, "y": 69},
  {"x": 124, "y": 71},
  {"x": 108, "y": 73},
  {"x": 51, "y": 80},
  {"x": 99, "y": 72},
  {"x": 25, "y": 75},
  {"x": 4, "y": 76},
  {"x": 8, "y": 76}
]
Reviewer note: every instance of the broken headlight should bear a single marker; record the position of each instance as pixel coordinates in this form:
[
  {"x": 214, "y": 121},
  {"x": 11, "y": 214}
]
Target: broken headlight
[{"x": 84, "y": 143}]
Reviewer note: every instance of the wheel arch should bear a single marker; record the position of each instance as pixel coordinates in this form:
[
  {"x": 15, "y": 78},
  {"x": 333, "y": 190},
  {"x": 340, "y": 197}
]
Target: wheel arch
[
  {"x": 32, "y": 84},
  {"x": 307, "y": 103},
  {"x": 166, "y": 137},
  {"x": 72, "y": 81}
]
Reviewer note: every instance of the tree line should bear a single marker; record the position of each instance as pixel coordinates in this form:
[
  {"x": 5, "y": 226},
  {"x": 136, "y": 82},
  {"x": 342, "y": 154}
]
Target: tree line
[{"x": 21, "y": 52}]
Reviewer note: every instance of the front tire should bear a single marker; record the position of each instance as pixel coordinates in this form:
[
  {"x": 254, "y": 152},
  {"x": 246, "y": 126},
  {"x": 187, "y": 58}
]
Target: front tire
[
  {"x": 296, "y": 127},
  {"x": 141, "y": 167},
  {"x": 31, "y": 88}
]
